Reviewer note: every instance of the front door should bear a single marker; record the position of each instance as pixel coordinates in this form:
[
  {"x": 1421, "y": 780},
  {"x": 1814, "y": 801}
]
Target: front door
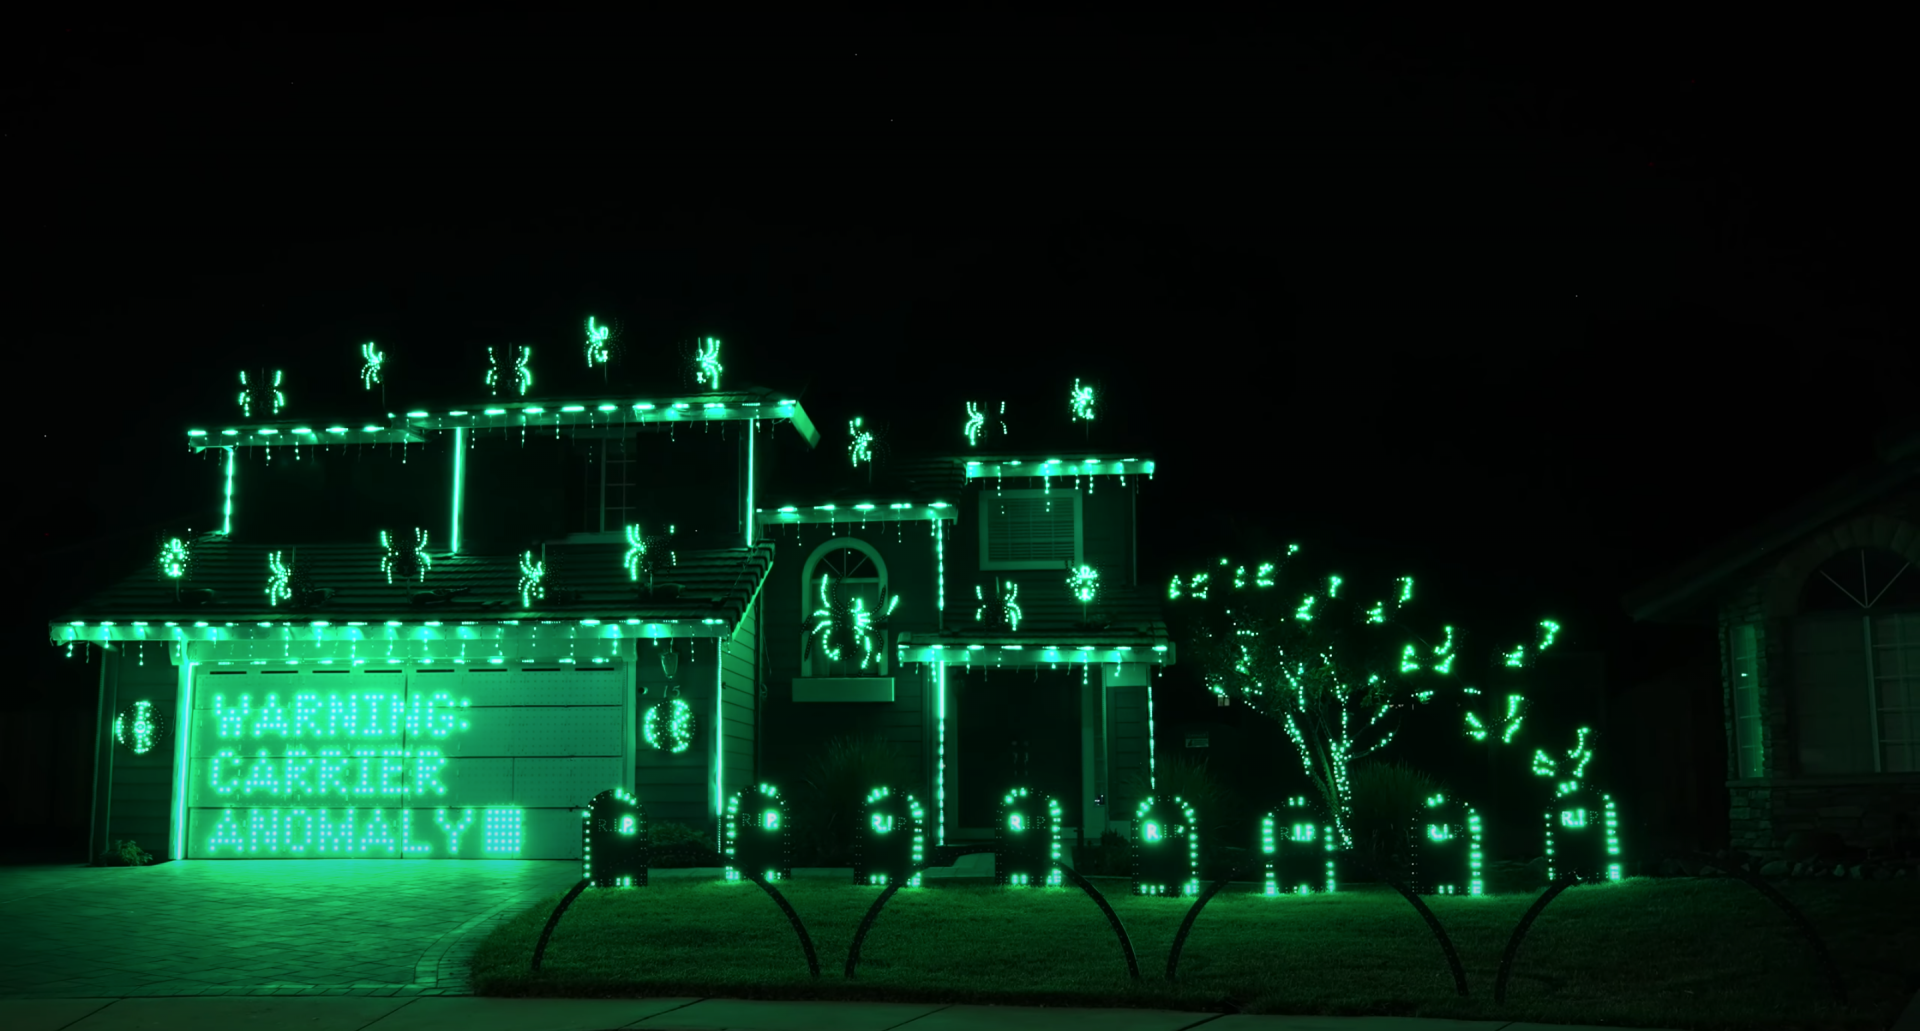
[{"x": 1016, "y": 730}]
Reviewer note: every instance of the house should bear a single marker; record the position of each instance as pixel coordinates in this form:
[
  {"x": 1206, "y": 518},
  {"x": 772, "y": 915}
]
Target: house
[
  {"x": 1048, "y": 693},
  {"x": 1817, "y": 612},
  {"x": 440, "y": 634}
]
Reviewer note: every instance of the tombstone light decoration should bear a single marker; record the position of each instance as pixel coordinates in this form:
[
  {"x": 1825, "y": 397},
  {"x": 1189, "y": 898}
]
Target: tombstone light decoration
[
  {"x": 759, "y": 834},
  {"x": 1582, "y": 823},
  {"x": 1166, "y": 847},
  {"x": 403, "y": 562},
  {"x": 615, "y": 843},
  {"x": 1002, "y": 611},
  {"x": 138, "y": 728},
  {"x": 891, "y": 839},
  {"x": 1297, "y": 850},
  {"x": 1026, "y": 840},
  {"x": 1444, "y": 849}
]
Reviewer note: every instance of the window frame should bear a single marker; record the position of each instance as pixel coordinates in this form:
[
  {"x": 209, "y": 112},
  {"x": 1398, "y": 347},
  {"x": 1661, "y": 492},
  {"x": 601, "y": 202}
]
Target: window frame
[{"x": 988, "y": 563}]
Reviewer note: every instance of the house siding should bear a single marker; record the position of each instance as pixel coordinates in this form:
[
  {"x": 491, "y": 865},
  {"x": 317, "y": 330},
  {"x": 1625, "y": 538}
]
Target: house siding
[
  {"x": 1764, "y": 811},
  {"x": 1127, "y": 725},
  {"x": 739, "y": 704},
  {"x": 141, "y": 803}
]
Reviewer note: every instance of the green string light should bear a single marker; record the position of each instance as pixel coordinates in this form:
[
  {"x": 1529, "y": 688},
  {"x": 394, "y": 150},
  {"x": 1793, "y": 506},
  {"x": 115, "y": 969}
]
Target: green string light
[
  {"x": 1005, "y": 608},
  {"x": 1081, "y": 402},
  {"x": 636, "y": 551},
  {"x": 138, "y": 727},
  {"x": 406, "y": 563},
  {"x": 668, "y": 726},
  {"x": 370, "y": 370},
  {"x": 597, "y": 337},
  {"x": 532, "y": 580},
  {"x": 278, "y": 577},
  {"x": 708, "y": 360},
  {"x": 860, "y": 446},
  {"x": 522, "y": 370}
]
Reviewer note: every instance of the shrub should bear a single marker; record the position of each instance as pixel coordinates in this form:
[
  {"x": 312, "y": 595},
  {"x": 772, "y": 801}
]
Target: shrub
[
  {"x": 125, "y": 853},
  {"x": 665, "y": 833},
  {"x": 1385, "y": 801},
  {"x": 1106, "y": 858},
  {"x": 834, "y": 790},
  {"x": 1216, "y": 806}
]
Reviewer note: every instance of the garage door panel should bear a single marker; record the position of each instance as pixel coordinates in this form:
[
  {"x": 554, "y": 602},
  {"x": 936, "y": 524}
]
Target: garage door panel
[
  {"x": 563, "y": 782},
  {"x": 587, "y": 685}
]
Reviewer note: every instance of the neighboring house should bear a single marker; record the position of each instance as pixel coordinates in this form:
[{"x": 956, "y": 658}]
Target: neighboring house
[
  {"x": 1818, "y": 616},
  {"x": 300, "y": 689},
  {"x": 1058, "y": 701}
]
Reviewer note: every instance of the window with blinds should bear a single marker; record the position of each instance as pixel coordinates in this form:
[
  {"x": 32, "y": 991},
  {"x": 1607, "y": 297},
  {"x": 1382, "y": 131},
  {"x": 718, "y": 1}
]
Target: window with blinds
[
  {"x": 1743, "y": 656},
  {"x": 1029, "y": 529}
]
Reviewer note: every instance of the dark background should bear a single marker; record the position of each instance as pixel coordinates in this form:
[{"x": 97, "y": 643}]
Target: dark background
[{"x": 1531, "y": 311}]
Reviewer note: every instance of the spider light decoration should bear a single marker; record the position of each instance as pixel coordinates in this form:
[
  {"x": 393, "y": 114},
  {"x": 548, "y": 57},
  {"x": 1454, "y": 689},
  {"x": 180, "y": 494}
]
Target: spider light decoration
[
  {"x": 262, "y": 393},
  {"x": 498, "y": 370},
  {"x": 406, "y": 563},
  {"x": 533, "y": 576},
  {"x": 706, "y": 360},
  {"x": 373, "y": 361},
  {"x": 1084, "y": 583},
  {"x": 859, "y": 444},
  {"x": 838, "y": 623},
  {"x": 599, "y": 343},
  {"x": 174, "y": 563},
  {"x": 279, "y": 579},
  {"x": 976, "y": 427},
  {"x": 1002, "y": 612},
  {"x": 1582, "y": 824},
  {"x": 1080, "y": 402}
]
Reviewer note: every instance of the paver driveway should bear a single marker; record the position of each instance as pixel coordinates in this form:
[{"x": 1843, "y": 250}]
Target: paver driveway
[{"x": 321, "y": 927}]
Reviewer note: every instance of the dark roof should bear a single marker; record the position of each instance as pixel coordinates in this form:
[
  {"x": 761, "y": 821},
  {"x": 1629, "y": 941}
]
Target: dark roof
[
  {"x": 1681, "y": 596},
  {"x": 719, "y": 583}
]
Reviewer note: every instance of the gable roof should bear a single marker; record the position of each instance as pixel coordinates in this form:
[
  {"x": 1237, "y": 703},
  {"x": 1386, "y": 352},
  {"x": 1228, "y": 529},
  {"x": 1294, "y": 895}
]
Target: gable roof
[
  {"x": 718, "y": 587},
  {"x": 1683, "y": 594}
]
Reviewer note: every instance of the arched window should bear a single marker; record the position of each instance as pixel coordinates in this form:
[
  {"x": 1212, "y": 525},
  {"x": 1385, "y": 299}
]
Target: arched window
[
  {"x": 1856, "y": 654},
  {"x": 1861, "y": 578},
  {"x": 861, "y": 573}
]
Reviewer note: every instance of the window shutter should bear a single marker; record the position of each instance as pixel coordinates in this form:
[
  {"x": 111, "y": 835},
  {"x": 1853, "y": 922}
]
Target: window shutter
[{"x": 1030, "y": 529}]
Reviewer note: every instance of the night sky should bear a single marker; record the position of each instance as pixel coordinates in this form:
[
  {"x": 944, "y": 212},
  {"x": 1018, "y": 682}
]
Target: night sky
[{"x": 1532, "y": 313}]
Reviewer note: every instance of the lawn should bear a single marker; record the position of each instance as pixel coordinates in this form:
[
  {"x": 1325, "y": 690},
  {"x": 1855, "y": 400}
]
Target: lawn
[{"x": 1668, "y": 953}]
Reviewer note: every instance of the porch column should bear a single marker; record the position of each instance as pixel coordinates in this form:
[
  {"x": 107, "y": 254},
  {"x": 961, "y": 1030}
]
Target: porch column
[{"x": 102, "y": 760}]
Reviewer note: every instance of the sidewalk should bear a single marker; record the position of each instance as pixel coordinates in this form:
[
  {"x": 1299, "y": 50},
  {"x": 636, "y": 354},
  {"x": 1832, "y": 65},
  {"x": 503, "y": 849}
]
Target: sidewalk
[{"x": 363, "y": 1013}]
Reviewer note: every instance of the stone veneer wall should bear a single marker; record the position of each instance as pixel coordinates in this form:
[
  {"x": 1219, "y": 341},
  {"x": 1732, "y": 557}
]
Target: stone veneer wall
[{"x": 1764, "y": 810}]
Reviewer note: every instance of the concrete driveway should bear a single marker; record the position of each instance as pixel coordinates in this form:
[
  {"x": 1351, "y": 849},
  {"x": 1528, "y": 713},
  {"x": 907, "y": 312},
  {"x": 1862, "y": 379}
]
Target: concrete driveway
[{"x": 257, "y": 927}]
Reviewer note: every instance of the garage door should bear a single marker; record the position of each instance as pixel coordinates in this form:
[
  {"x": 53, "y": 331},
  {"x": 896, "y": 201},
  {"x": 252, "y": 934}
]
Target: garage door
[{"x": 424, "y": 762}]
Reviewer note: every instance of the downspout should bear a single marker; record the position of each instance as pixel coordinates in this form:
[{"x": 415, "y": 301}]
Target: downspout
[{"x": 102, "y": 764}]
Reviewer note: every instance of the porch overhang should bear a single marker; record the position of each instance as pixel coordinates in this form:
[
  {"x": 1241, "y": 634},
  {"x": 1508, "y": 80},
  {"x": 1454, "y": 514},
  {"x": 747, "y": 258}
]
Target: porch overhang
[
  {"x": 1007, "y": 467},
  {"x": 1004, "y": 650},
  {"x": 859, "y": 513}
]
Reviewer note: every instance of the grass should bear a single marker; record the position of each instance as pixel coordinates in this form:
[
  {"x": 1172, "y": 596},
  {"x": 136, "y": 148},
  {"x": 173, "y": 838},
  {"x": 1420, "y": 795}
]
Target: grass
[{"x": 1674, "y": 953}]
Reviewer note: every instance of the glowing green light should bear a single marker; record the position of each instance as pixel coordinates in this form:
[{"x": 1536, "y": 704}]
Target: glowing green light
[
  {"x": 1444, "y": 653},
  {"x": 1406, "y": 590},
  {"x": 278, "y": 579},
  {"x": 636, "y": 551},
  {"x": 532, "y": 580},
  {"x": 1005, "y": 607},
  {"x": 597, "y": 337},
  {"x": 1081, "y": 401},
  {"x": 370, "y": 370},
  {"x": 249, "y": 395},
  {"x": 976, "y": 423},
  {"x": 522, "y": 372},
  {"x": 1548, "y": 631},
  {"x": 1084, "y": 582},
  {"x": 415, "y": 562},
  {"x": 708, "y": 359},
  {"x": 174, "y": 559},
  {"x": 668, "y": 726},
  {"x": 138, "y": 727},
  {"x": 860, "y": 448}
]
